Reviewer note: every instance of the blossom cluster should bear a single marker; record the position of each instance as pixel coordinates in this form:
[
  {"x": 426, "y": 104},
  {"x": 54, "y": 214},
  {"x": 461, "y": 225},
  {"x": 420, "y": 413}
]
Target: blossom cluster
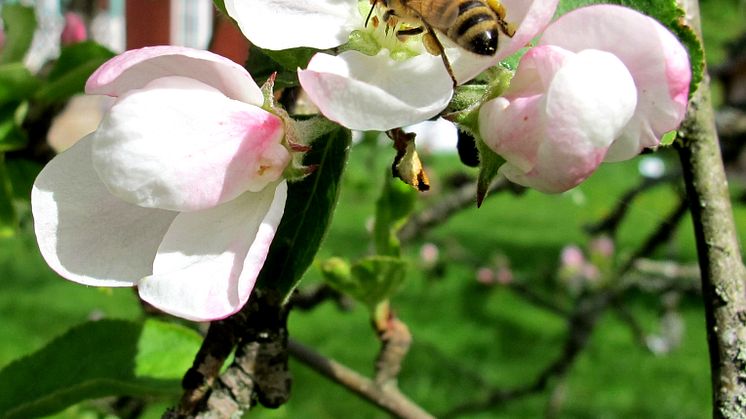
[{"x": 181, "y": 188}]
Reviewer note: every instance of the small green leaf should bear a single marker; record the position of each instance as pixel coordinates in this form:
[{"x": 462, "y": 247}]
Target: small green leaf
[
  {"x": 396, "y": 202},
  {"x": 308, "y": 212},
  {"x": 16, "y": 83},
  {"x": 8, "y": 216},
  {"x": 68, "y": 76},
  {"x": 668, "y": 138},
  {"x": 20, "y": 24},
  {"x": 98, "y": 359},
  {"x": 12, "y": 137},
  {"x": 22, "y": 173},
  {"x": 369, "y": 281},
  {"x": 155, "y": 362}
]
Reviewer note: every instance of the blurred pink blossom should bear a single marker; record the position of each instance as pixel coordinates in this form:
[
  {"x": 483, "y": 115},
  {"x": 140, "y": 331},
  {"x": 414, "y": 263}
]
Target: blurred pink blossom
[{"x": 74, "y": 30}]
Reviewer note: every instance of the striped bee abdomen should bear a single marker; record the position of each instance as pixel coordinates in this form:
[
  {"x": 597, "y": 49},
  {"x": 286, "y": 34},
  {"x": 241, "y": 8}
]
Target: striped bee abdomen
[{"x": 476, "y": 27}]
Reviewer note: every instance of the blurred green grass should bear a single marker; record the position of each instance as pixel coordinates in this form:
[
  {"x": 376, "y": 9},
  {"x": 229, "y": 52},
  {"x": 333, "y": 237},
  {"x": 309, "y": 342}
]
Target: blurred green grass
[{"x": 467, "y": 337}]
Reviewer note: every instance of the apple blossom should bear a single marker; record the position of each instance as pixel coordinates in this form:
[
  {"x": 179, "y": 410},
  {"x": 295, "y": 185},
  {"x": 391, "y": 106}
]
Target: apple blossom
[
  {"x": 387, "y": 83},
  {"x": 603, "y": 83},
  {"x": 74, "y": 30},
  {"x": 178, "y": 192}
]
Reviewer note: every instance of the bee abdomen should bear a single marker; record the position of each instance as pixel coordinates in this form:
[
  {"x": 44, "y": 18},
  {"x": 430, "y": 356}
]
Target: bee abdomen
[{"x": 476, "y": 28}]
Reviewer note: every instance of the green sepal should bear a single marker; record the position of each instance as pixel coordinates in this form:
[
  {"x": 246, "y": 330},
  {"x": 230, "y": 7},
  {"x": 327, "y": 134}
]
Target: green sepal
[
  {"x": 98, "y": 359},
  {"x": 370, "y": 281},
  {"x": 20, "y": 25},
  {"x": 489, "y": 163}
]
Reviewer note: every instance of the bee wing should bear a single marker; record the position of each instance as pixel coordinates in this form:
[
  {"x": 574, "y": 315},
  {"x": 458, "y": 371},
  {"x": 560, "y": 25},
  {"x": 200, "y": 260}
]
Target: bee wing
[{"x": 440, "y": 14}]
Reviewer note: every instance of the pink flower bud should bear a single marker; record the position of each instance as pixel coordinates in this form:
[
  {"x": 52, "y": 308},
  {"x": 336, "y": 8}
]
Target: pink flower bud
[
  {"x": 429, "y": 253},
  {"x": 602, "y": 246},
  {"x": 74, "y": 30},
  {"x": 485, "y": 276},
  {"x": 572, "y": 258}
]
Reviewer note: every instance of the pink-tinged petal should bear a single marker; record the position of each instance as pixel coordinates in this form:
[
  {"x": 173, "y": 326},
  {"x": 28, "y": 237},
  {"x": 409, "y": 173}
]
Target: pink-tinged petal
[
  {"x": 538, "y": 67},
  {"x": 514, "y": 129},
  {"x": 656, "y": 59},
  {"x": 136, "y": 68},
  {"x": 283, "y": 24},
  {"x": 86, "y": 234},
  {"x": 376, "y": 93},
  {"x": 181, "y": 145},
  {"x": 552, "y": 142},
  {"x": 529, "y": 19},
  {"x": 209, "y": 260}
]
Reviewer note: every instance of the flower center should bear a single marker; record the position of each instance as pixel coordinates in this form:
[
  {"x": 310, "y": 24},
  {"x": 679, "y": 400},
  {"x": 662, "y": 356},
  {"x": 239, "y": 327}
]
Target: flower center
[{"x": 378, "y": 34}]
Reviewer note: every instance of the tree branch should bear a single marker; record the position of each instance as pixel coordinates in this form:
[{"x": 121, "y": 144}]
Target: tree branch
[
  {"x": 387, "y": 398},
  {"x": 458, "y": 200},
  {"x": 717, "y": 247}
]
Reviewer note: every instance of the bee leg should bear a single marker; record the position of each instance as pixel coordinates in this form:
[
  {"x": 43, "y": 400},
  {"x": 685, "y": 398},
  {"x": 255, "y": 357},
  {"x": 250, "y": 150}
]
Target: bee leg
[
  {"x": 402, "y": 34},
  {"x": 434, "y": 47},
  {"x": 506, "y": 27},
  {"x": 372, "y": 6}
]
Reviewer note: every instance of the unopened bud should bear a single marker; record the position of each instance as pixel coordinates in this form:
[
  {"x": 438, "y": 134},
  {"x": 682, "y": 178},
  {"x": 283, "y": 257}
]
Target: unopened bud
[{"x": 74, "y": 30}]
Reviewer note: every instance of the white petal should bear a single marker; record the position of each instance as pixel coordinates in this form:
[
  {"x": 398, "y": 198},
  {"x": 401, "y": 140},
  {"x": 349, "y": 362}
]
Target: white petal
[
  {"x": 209, "y": 260},
  {"x": 435, "y": 136},
  {"x": 283, "y": 24},
  {"x": 592, "y": 95},
  {"x": 86, "y": 234},
  {"x": 376, "y": 93},
  {"x": 181, "y": 145},
  {"x": 135, "y": 68}
]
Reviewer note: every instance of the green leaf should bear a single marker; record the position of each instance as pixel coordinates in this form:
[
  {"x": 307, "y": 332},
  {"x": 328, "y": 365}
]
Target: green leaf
[
  {"x": 308, "y": 212},
  {"x": 97, "y": 359},
  {"x": 68, "y": 76},
  {"x": 12, "y": 137},
  {"x": 8, "y": 216},
  {"x": 20, "y": 24},
  {"x": 369, "y": 281},
  {"x": 22, "y": 173},
  {"x": 396, "y": 202},
  {"x": 669, "y": 14},
  {"x": 16, "y": 83},
  {"x": 262, "y": 63}
]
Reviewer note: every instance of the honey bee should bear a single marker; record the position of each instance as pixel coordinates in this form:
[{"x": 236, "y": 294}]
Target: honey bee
[{"x": 472, "y": 24}]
